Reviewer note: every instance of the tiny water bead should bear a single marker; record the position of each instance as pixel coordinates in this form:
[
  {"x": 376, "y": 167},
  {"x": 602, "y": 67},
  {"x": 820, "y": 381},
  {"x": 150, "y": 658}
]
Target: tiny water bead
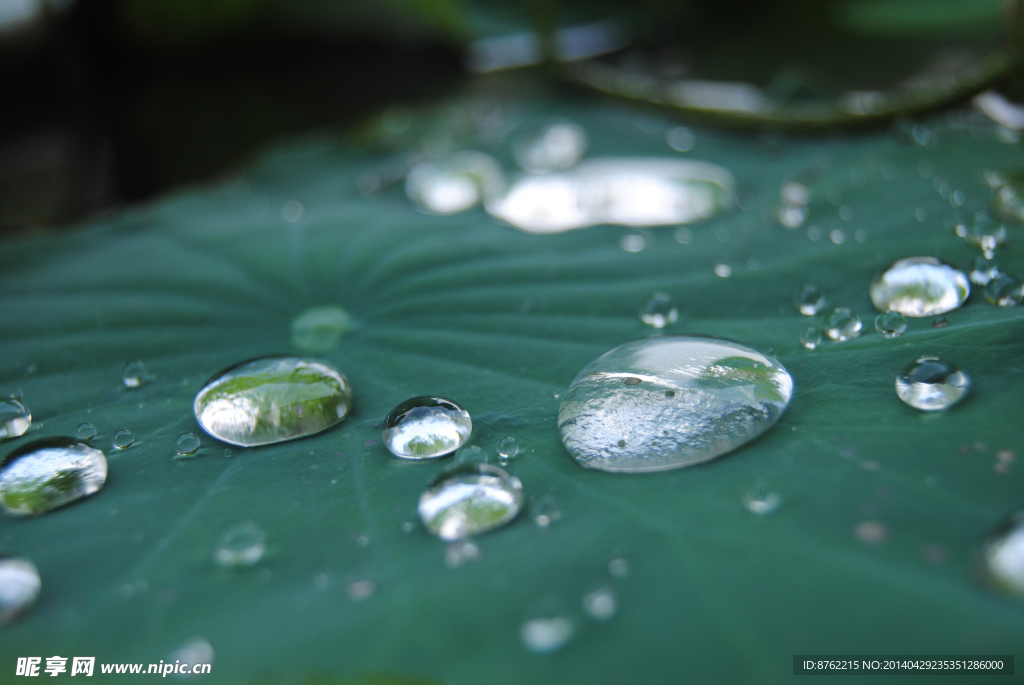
[
  {"x": 811, "y": 338},
  {"x": 659, "y": 311},
  {"x": 192, "y": 653},
  {"x": 760, "y": 499},
  {"x": 320, "y": 329},
  {"x": 931, "y": 384},
  {"x": 545, "y": 511},
  {"x": 460, "y": 553},
  {"x": 619, "y": 568},
  {"x": 600, "y": 604},
  {"x": 546, "y": 628},
  {"x": 842, "y": 324},
  {"x": 891, "y": 324},
  {"x": 920, "y": 286},
  {"x": 1004, "y": 291},
  {"x": 553, "y": 145},
  {"x": 187, "y": 444},
  {"x": 507, "y": 448},
  {"x": 85, "y": 432},
  {"x": 15, "y": 419},
  {"x": 469, "y": 500},
  {"x": 134, "y": 374},
  {"x": 426, "y": 428},
  {"x": 241, "y": 545},
  {"x": 983, "y": 270},
  {"x": 123, "y": 439},
  {"x": 19, "y": 587},
  {"x": 669, "y": 402},
  {"x": 1004, "y": 556},
  {"x": 273, "y": 399},
  {"x": 984, "y": 233},
  {"x": 454, "y": 184},
  {"x": 809, "y": 300},
  {"x": 50, "y": 473}
]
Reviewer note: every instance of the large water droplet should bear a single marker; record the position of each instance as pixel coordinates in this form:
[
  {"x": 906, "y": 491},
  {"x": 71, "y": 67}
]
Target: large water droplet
[
  {"x": 426, "y": 428},
  {"x": 1004, "y": 291},
  {"x": 811, "y": 338},
  {"x": 842, "y": 324},
  {"x": 600, "y": 604},
  {"x": 123, "y": 439},
  {"x": 470, "y": 500},
  {"x": 85, "y": 432},
  {"x": 669, "y": 402},
  {"x": 19, "y": 587},
  {"x": 554, "y": 145},
  {"x": 320, "y": 329},
  {"x": 1004, "y": 556},
  {"x": 454, "y": 184},
  {"x": 50, "y": 473},
  {"x": 273, "y": 399},
  {"x": 891, "y": 324},
  {"x": 983, "y": 270},
  {"x": 241, "y": 545},
  {"x": 920, "y": 286},
  {"x": 626, "y": 191},
  {"x": 659, "y": 311},
  {"x": 134, "y": 374},
  {"x": 15, "y": 418},
  {"x": 186, "y": 445},
  {"x": 809, "y": 300},
  {"x": 931, "y": 384}
]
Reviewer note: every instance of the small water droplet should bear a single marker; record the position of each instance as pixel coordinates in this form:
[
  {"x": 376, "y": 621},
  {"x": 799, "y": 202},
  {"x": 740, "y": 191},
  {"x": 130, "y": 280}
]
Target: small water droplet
[
  {"x": 426, "y": 428},
  {"x": 726, "y": 395},
  {"x": 871, "y": 532},
  {"x": 50, "y": 473},
  {"x": 469, "y": 500},
  {"x": 791, "y": 216},
  {"x": 1004, "y": 556},
  {"x": 552, "y": 145},
  {"x": 186, "y": 445},
  {"x": 837, "y": 237},
  {"x": 920, "y": 286},
  {"x": 1004, "y": 291},
  {"x": 891, "y": 324},
  {"x": 195, "y": 651},
  {"x": 618, "y": 568},
  {"x": 940, "y": 322},
  {"x": 723, "y": 270},
  {"x": 455, "y": 183},
  {"x": 921, "y": 214},
  {"x": 846, "y": 213},
  {"x": 1008, "y": 204},
  {"x": 760, "y": 500},
  {"x": 546, "y": 629},
  {"x": 15, "y": 419},
  {"x": 85, "y": 432},
  {"x": 809, "y": 300},
  {"x": 320, "y": 329},
  {"x": 460, "y": 553},
  {"x": 811, "y": 338},
  {"x": 683, "y": 235},
  {"x": 659, "y": 311},
  {"x": 600, "y": 604},
  {"x": 359, "y": 590},
  {"x": 545, "y": 511},
  {"x": 292, "y": 211},
  {"x": 123, "y": 439},
  {"x": 983, "y": 270},
  {"x": 680, "y": 139},
  {"x": 633, "y": 242},
  {"x": 134, "y": 374},
  {"x": 842, "y": 324},
  {"x": 19, "y": 587},
  {"x": 985, "y": 233},
  {"x": 507, "y": 448},
  {"x": 931, "y": 384},
  {"x": 273, "y": 399},
  {"x": 241, "y": 545}
]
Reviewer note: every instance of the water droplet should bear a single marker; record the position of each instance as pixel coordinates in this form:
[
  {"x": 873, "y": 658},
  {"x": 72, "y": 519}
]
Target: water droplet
[
  {"x": 985, "y": 233},
  {"x": 891, "y": 324},
  {"x": 553, "y": 145},
  {"x": 195, "y": 651},
  {"x": 426, "y": 428},
  {"x": 507, "y": 448},
  {"x": 683, "y": 235},
  {"x": 320, "y": 329},
  {"x": 469, "y": 500},
  {"x": 15, "y": 419},
  {"x": 811, "y": 338},
  {"x": 842, "y": 324},
  {"x": 241, "y": 545},
  {"x": 723, "y": 270},
  {"x": 931, "y": 384},
  {"x": 920, "y": 286},
  {"x": 983, "y": 270},
  {"x": 794, "y": 193},
  {"x": 725, "y": 394},
  {"x": 273, "y": 399},
  {"x": 471, "y": 454},
  {"x": 123, "y": 439},
  {"x": 680, "y": 139},
  {"x": 292, "y": 211},
  {"x": 846, "y": 213},
  {"x": 134, "y": 374},
  {"x": 546, "y": 630},
  {"x": 618, "y": 567},
  {"x": 1005, "y": 291},
  {"x": 1004, "y": 556},
  {"x": 359, "y": 590},
  {"x": 85, "y": 432},
  {"x": 871, "y": 532},
  {"x": 545, "y": 511},
  {"x": 940, "y": 322},
  {"x": 791, "y": 216},
  {"x": 600, "y": 604},
  {"x": 760, "y": 500},
  {"x": 633, "y": 242},
  {"x": 19, "y": 587},
  {"x": 187, "y": 444},
  {"x": 460, "y": 553},
  {"x": 1008, "y": 204},
  {"x": 50, "y": 473},
  {"x": 454, "y": 184},
  {"x": 659, "y": 311},
  {"x": 809, "y": 300},
  {"x": 621, "y": 191}
]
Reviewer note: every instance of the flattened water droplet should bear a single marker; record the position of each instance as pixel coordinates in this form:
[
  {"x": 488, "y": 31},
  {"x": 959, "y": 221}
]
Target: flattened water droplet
[
  {"x": 320, "y": 329},
  {"x": 273, "y": 399},
  {"x": 659, "y": 311},
  {"x": 1004, "y": 556},
  {"x": 507, "y": 448},
  {"x": 454, "y": 184},
  {"x": 553, "y": 145},
  {"x": 809, "y": 300},
  {"x": 931, "y": 384},
  {"x": 920, "y": 286},
  {"x": 187, "y": 444},
  {"x": 469, "y": 500},
  {"x": 622, "y": 191},
  {"x": 726, "y": 394},
  {"x": 50, "y": 473},
  {"x": 85, "y": 432},
  {"x": 123, "y": 439},
  {"x": 241, "y": 545},
  {"x": 983, "y": 270},
  {"x": 15, "y": 419},
  {"x": 891, "y": 324},
  {"x": 1004, "y": 291},
  {"x": 545, "y": 511},
  {"x": 19, "y": 587},
  {"x": 600, "y": 604},
  {"x": 426, "y": 427},
  {"x": 760, "y": 499},
  {"x": 811, "y": 338},
  {"x": 134, "y": 374},
  {"x": 842, "y": 324}
]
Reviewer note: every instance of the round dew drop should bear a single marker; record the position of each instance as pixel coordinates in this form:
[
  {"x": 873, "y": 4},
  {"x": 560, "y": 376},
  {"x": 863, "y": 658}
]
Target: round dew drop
[
  {"x": 931, "y": 384},
  {"x": 85, "y": 432},
  {"x": 241, "y": 545},
  {"x": 50, "y": 473},
  {"x": 469, "y": 500},
  {"x": 426, "y": 428},
  {"x": 600, "y": 604},
  {"x": 123, "y": 439},
  {"x": 186, "y": 445},
  {"x": 891, "y": 324},
  {"x": 811, "y": 338},
  {"x": 659, "y": 311},
  {"x": 809, "y": 300},
  {"x": 507, "y": 448},
  {"x": 134, "y": 374},
  {"x": 1004, "y": 291},
  {"x": 842, "y": 324}
]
